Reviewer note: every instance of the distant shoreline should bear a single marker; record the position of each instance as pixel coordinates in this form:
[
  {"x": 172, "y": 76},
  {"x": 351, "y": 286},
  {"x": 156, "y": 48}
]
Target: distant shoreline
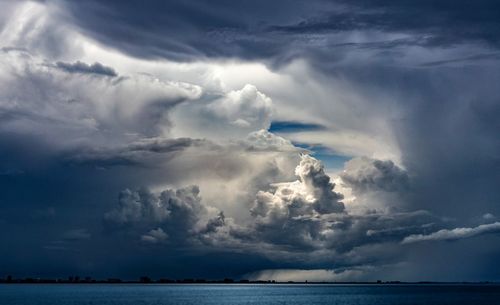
[{"x": 148, "y": 281}]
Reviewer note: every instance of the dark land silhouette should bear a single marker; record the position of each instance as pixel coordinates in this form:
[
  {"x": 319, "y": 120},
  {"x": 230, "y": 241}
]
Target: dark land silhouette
[{"x": 147, "y": 280}]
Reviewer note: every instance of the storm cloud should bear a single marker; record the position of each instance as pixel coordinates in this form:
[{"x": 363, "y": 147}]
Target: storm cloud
[
  {"x": 80, "y": 67},
  {"x": 338, "y": 140},
  {"x": 283, "y": 29}
]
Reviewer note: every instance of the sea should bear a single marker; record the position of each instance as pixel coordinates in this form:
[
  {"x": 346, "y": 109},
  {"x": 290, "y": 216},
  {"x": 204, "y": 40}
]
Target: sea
[{"x": 267, "y": 294}]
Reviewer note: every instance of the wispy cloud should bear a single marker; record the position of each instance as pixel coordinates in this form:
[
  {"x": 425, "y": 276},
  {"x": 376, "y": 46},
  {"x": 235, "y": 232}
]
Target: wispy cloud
[{"x": 454, "y": 234}]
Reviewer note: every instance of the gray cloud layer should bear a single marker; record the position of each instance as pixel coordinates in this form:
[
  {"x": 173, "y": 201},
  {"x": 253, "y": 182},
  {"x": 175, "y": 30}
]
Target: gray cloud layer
[
  {"x": 81, "y": 67},
  {"x": 282, "y": 29},
  {"x": 454, "y": 234}
]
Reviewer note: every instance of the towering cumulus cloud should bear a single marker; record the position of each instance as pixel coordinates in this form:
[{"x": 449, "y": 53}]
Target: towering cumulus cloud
[
  {"x": 312, "y": 194},
  {"x": 180, "y": 207}
]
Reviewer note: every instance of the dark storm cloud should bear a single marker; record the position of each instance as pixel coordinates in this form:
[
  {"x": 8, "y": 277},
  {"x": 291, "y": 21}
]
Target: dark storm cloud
[
  {"x": 143, "y": 152},
  {"x": 468, "y": 59},
  {"x": 364, "y": 174},
  {"x": 439, "y": 23},
  {"x": 11, "y": 172},
  {"x": 444, "y": 119},
  {"x": 185, "y": 30},
  {"x": 178, "y": 29},
  {"x": 81, "y": 67},
  {"x": 155, "y": 236},
  {"x": 182, "y": 206},
  {"x": 288, "y": 224},
  {"x": 176, "y": 216},
  {"x": 449, "y": 139},
  {"x": 15, "y": 49},
  {"x": 76, "y": 234}
]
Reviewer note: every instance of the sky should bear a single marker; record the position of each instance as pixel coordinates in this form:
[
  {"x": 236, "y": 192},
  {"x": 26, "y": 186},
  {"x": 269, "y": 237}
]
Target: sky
[{"x": 286, "y": 140}]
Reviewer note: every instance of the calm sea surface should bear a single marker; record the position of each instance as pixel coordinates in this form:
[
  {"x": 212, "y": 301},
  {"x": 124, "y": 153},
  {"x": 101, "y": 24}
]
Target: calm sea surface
[{"x": 247, "y": 294}]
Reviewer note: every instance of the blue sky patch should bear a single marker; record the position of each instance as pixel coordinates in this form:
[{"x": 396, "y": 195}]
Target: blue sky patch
[
  {"x": 330, "y": 160},
  {"x": 292, "y": 126}
]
